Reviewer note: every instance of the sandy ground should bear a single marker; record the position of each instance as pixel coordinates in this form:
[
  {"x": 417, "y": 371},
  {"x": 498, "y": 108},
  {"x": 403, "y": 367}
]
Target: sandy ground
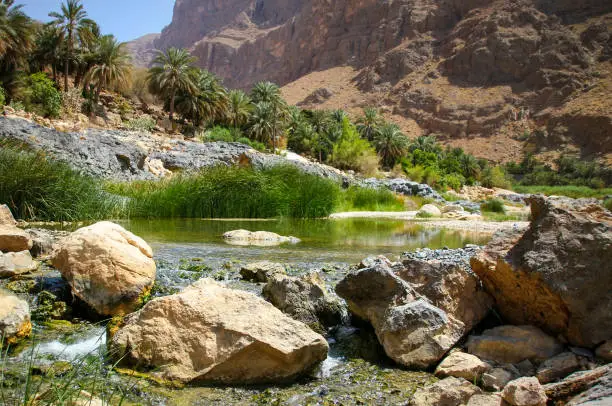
[{"x": 471, "y": 225}]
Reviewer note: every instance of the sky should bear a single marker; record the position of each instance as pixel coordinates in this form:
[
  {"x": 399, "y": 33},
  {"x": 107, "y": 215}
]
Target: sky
[{"x": 126, "y": 19}]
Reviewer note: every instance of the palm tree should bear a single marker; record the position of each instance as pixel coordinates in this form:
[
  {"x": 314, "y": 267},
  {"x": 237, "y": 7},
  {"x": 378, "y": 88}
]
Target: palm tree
[
  {"x": 269, "y": 93},
  {"x": 265, "y": 123},
  {"x": 391, "y": 144},
  {"x": 239, "y": 108},
  {"x": 470, "y": 167},
  {"x": 16, "y": 31},
  {"x": 320, "y": 121},
  {"x": 368, "y": 124},
  {"x": 173, "y": 72},
  {"x": 112, "y": 65},
  {"x": 71, "y": 17},
  {"x": 47, "y": 50},
  {"x": 209, "y": 102},
  {"x": 425, "y": 144},
  {"x": 339, "y": 115}
]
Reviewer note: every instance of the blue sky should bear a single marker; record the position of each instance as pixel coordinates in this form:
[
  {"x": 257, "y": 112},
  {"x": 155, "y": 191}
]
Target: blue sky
[{"x": 126, "y": 19}]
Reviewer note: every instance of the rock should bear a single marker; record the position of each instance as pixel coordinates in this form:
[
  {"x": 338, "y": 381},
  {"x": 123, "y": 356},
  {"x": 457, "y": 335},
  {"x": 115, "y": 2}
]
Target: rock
[
  {"x": 429, "y": 210},
  {"x": 604, "y": 351},
  {"x": 13, "y": 239},
  {"x": 497, "y": 378},
  {"x": 490, "y": 399},
  {"x": 156, "y": 167},
  {"x": 577, "y": 383},
  {"x": 14, "y": 318},
  {"x": 209, "y": 333},
  {"x": 16, "y": 263},
  {"x": 370, "y": 262},
  {"x": 526, "y": 368},
  {"x": 6, "y": 217},
  {"x": 524, "y": 392},
  {"x": 559, "y": 367},
  {"x": 555, "y": 275},
  {"x": 305, "y": 299},
  {"x": 412, "y": 331},
  {"x": 259, "y": 238},
  {"x": 447, "y": 392},
  {"x": 107, "y": 267},
  {"x": 261, "y": 271},
  {"x": 513, "y": 344},
  {"x": 44, "y": 241},
  {"x": 462, "y": 365},
  {"x": 452, "y": 208},
  {"x": 317, "y": 97},
  {"x": 404, "y": 187},
  {"x": 599, "y": 394}
]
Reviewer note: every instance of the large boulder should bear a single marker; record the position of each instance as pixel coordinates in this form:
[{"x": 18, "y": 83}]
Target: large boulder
[
  {"x": 6, "y": 217},
  {"x": 14, "y": 318},
  {"x": 556, "y": 274},
  {"x": 209, "y": 333},
  {"x": 261, "y": 271},
  {"x": 513, "y": 344},
  {"x": 13, "y": 239},
  {"x": 305, "y": 299},
  {"x": 107, "y": 267},
  {"x": 447, "y": 392},
  {"x": 524, "y": 392},
  {"x": 429, "y": 210},
  {"x": 16, "y": 263}
]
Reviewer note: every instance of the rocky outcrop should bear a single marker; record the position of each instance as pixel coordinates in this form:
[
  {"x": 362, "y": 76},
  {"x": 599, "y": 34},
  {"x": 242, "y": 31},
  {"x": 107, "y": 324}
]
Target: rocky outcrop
[
  {"x": 305, "y": 299},
  {"x": 107, "y": 267},
  {"x": 143, "y": 50},
  {"x": 554, "y": 275},
  {"x": 209, "y": 333},
  {"x": 513, "y": 344},
  {"x": 420, "y": 309},
  {"x": 258, "y": 238},
  {"x": 261, "y": 271},
  {"x": 14, "y": 318}
]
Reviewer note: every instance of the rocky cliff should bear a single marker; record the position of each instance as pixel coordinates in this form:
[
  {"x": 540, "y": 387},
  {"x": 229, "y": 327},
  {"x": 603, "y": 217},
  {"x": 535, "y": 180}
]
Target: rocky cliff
[{"x": 455, "y": 68}]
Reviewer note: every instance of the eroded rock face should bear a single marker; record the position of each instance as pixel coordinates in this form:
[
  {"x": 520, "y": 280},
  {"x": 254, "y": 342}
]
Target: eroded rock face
[
  {"x": 513, "y": 344},
  {"x": 305, "y": 299},
  {"x": 14, "y": 318},
  {"x": 107, "y": 267},
  {"x": 209, "y": 333},
  {"x": 555, "y": 274}
]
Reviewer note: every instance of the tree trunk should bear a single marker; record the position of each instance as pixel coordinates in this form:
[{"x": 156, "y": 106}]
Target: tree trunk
[
  {"x": 54, "y": 69},
  {"x": 66, "y": 75},
  {"x": 172, "y": 105}
]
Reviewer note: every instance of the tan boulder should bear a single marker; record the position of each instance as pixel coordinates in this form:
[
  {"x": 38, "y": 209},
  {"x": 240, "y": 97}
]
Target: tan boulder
[
  {"x": 14, "y": 318},
  {"x": 13, "y": 239},
  {"x": 261, "y": 271},
  {"x": 604, "y": 351},
  {"x": 6, "y": 217},
  {"x": 513, "y": 344},
  {"x": 524, "y": 392},
  {"x": 209, "y": 333},
  {"x": 559, "y": 367},
  {"x": 429, "y": 210},
  {"x": 107, "y": 267},
  {"x": 450, "y": 391},
  {"x": 462, "y": 365},
  {"x": 16, "y": 263},
  {"x": 497, "y": 378}
]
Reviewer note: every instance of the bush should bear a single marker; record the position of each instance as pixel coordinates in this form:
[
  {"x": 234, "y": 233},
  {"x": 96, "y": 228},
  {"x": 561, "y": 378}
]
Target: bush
[
  {"x": 354, "y": 153},
  {"x": 41, "y": 96},
  {"x": 38, "y": 189},
  {"x": 2, "y": 97},
  {"x": 218, "y": 134},
  {"x": 369, "y": 199},
  {"x": 452, "y": 181},
  {"x": 141, "y": 124},
  {"x": 493, "y": 206},
  {"x": 608, "y": 203},
  {"x": 495, "y": 177}
]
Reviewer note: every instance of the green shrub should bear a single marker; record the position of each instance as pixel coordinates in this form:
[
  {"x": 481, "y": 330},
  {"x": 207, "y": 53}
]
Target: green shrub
[
  {"x": 452, "y": 181},
  {"x": 493, "y": 206},
  {"x": 608, "y": 203},
  {"x": 38, "y": 189},
  {"x": 41, "y": 96},
  {"x": 2, "y": 97},
  {"x": 17, "y": 105},
  {"x": 354, "y": 153},
  {"x": 141, "y": 124},
  {"x": 218, "y": 134},
  {"x": 424, "y": 215},
  {"x": 369, "y": 199},
  {"x": 495, "y": 177}
]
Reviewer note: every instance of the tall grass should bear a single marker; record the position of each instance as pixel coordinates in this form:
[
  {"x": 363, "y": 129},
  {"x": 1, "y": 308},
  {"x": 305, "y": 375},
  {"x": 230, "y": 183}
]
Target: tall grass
[
  {"x": 36, "y": 188},
  {"x": 369, "y": 199},
  {"x": 569, "y": 191}
]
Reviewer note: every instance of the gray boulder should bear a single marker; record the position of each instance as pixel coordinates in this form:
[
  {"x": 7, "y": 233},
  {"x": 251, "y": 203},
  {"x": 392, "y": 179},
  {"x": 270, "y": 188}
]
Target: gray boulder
[{"x": 261, "y": 271}]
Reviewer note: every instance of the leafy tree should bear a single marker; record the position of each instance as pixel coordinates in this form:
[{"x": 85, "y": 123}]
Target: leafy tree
[
  {"x": 239, "y": 108},
  {"x": 368, "y": 124},
  {"x": 16, "y": 34},
  {"x": 41, "y": 96},
  {"x": 269, "y": 95},
  {"x": 391, "y": 144},
  {"x": 112, "y": 65},
  {"x": 208, "y": 103},
  {"x": 71, "y": 18},
  {"x": 353, "y": 152},
  {"x": 173, "y": 72}
]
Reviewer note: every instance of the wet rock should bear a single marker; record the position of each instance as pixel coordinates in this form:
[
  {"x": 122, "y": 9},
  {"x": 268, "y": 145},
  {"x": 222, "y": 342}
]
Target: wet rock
[
  {"x": 209, "y": 333},
  {"x": 447, "y": 392},
  {"x": 44, "y": 241},
  {"x": 48, "y": 307},
  {"x": 429, "y": 210},
  {"x": 261, "y": 271},
  {"x": 462, "y": 365},
  {"x": 554, "y": 275},
  {"x": 524, "y": 392},
  {"x": 259, "y": 238},
  {"x": 497, "y": 378},
  {"x": 305, "y": 299},
  {"x": 513, "y": 344},
  {"x": 559, "y": 367},
  {"x": 14, "y": 318},
  {"x": 577, "y": 383},
  {"x": 16, "y": 263},
  {"x": 604, "y": 351},
  {"x": 13, "y": 239},
  {"x": 107, "y": 267}
]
